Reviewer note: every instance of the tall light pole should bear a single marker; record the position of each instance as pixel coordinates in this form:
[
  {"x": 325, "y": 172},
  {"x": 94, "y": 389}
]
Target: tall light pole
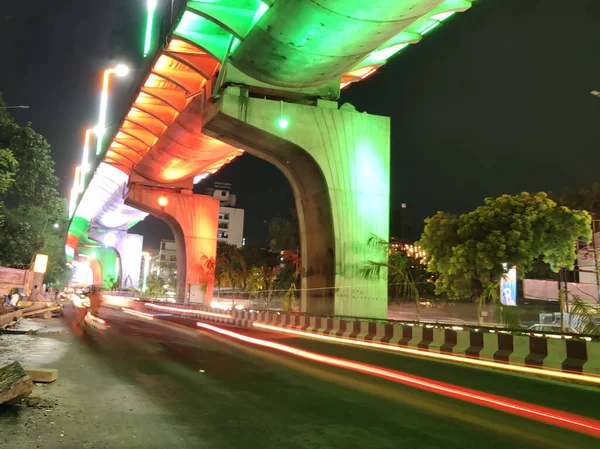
[
  {"x": 21, "y": 106},
  {"x": 85, "y": 162},
  {"x": 75, "y": 191},
  {"x": 55, "y": 226},
  {"x": 120, "y": 70}
]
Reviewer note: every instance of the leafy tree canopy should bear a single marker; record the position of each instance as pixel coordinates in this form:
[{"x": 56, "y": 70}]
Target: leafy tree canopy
[
  {"x": 30, "y": 205},
  {"x": 8, "y": 167},
  {"x": 467, "y": 251},
  {"x": 283, "y": 233},
  {"x": 587, "y": 198}
]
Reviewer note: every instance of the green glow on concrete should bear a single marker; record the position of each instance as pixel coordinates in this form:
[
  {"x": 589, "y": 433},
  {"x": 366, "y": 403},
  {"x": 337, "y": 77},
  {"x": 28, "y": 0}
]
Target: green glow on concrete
[
  {"x": 132, "y": 224},
  {"x": 211, "y": 24},
  {"x": 204, "y": 33},
  {"x": 443, "y": 16},
  {"x": 262, "y": 9},
  {"x": 234, "y": 44},
  {"x": 429, "y": 28},
  {"x": 108, "y": 259},
  {"x": 79, "y": 227},
  {"x": 235, "y": 16},
  {"x": 283, "y": 123},
  {"x": 352, "y": 151},
  {"x": 151, "y": 6},
  {"x": 384, "y": 54},
  {"x": 413, "y": 33}
]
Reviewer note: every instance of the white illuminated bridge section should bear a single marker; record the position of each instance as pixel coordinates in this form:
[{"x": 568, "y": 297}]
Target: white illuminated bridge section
[{"x": 103, "y": 199}]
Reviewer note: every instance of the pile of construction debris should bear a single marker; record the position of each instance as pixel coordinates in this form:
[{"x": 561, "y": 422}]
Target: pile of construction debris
[
  {"x": 16, "y": 383},
  {"x": 10, "y": 315}
]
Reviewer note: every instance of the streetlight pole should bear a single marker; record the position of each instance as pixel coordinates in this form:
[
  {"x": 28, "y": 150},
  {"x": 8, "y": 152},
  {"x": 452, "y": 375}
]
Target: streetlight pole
[
  {"x": 21, "y": 106},
  {"x": 55, "y": 226},
  {"x": 120, "y": 70},
  {"x": 85, "y": 163}
]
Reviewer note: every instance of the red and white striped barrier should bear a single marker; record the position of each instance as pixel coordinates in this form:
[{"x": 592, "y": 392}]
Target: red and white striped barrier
[{"x": 497, "y": 346}]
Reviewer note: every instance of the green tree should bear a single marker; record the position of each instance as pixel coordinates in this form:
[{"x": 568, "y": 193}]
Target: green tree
[
  {"x": 255, "y": 256},
  {"x": 28, "y": 230},
  {"x": 283, "y": 233},
  {"x": 154, "y": 287},
  {"x": 29, "y": 200},
  {"x": 586, "y": 198},
  {"x": 231, "y": 266},
  {"x": 467, "y": 252},
  {"x": 35, "y": 182},
  {"x": 8, "y": 167},
  {"x": 397, "y": 267}
]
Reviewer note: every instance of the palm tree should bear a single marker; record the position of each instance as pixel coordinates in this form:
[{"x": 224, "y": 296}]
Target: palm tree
[
  {"x": 586, "y": 316},
  {"x": 220, "y": 273},
  {"x": 396, "y": 266}
]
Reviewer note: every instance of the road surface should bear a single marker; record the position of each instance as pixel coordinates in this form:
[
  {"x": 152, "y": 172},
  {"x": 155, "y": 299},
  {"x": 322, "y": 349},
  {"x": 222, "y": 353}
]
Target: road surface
[{"x": 205, "y": 390}]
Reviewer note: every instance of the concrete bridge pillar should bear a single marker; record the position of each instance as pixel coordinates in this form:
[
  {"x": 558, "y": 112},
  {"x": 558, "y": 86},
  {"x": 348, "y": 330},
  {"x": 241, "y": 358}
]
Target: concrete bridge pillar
[
  {"x": 194, "y": 220},
  {"x": 129, "y": 247},
  {"x": 338, "y": 164},
  {"x": 103, "y": 262},
  {"x": 129, "y": 251}
]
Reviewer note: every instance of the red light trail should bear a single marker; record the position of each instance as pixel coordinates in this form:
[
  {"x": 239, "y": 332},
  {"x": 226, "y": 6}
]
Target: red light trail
[
  {"x": 438, "y": 355},
  {"x": 543, "y": 414}
]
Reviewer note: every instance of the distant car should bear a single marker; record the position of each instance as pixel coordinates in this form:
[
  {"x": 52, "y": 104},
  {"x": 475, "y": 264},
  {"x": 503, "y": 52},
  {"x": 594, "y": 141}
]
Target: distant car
[{"x": 551, "y": 328}]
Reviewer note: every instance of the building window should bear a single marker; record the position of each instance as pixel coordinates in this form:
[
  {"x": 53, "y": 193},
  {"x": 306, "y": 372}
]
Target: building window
[
  {"x": 164, "y": 245},
  {"x": 162, "y": 257},
  {"x": 223, "y": 225},
  {"x": 222, "y": 235},
  {"x": 223, "y": 193},
  {"x": 173, "y": 257}
]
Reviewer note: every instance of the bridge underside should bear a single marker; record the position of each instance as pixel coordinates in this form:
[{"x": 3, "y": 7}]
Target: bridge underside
[{"x": 231, "y": 70}]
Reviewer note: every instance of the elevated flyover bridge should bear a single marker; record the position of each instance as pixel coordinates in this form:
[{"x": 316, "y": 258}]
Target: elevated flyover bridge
[{"x": 234, "y": 76}]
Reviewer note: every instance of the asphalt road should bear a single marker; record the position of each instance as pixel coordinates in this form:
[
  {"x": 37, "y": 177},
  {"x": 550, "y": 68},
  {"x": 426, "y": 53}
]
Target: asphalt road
[
  {"x": 233, "y": 394},
  {"x": 193, "y": 388}
]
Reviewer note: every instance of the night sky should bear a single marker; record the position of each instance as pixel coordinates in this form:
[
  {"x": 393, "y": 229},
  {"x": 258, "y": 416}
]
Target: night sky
[{"x": 494, "y": 101}]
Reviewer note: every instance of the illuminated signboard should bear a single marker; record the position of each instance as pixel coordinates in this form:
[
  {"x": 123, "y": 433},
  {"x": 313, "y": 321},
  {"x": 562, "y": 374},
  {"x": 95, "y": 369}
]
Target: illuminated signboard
[
  {"x": 41, "y": 263},
  {"x": 508, "y": 286}
]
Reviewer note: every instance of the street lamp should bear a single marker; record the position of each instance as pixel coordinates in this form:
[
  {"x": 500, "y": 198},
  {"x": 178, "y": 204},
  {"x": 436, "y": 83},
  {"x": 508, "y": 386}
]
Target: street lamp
[
  {"x": 595, "y": 93},
  {"x": 120, "y": 70},
  {"x": 21, "y": 106}
]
